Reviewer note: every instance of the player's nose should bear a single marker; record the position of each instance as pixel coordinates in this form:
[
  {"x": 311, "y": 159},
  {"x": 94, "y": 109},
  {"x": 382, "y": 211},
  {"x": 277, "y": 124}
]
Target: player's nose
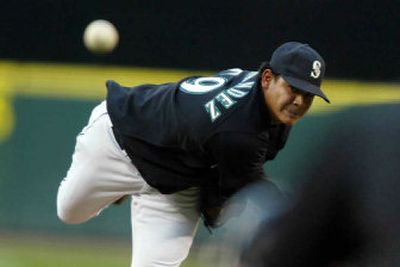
[{"x": 299, "y": 99}]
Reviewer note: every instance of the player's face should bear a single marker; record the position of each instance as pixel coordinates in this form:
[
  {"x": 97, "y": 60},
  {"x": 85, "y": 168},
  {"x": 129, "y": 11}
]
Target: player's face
[{"x": 286, "y": 104}]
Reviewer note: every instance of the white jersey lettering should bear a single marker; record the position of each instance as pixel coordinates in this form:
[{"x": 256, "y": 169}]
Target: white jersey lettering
[
  {"x": 212, "y": 110},
  {"x": 225, "y": 100}
]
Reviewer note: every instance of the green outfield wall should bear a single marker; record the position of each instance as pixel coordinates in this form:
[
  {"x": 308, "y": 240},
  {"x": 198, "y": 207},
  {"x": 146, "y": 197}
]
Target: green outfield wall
[{"x": 44, "y": 106}]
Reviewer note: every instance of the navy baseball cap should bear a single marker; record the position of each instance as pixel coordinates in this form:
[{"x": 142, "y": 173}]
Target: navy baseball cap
[{"x": 300, "y": 66}]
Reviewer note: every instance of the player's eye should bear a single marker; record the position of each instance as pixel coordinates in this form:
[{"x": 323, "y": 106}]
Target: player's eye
[
  {"x": 298, "y": 91},
  {"x": 295, "y": 90}
]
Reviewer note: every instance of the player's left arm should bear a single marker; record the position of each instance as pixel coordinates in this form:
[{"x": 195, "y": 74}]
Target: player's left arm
[{"x": 239, "y": 159}]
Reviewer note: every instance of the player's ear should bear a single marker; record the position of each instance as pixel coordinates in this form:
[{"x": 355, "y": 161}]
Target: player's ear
[{"x": 266, "y": 77}]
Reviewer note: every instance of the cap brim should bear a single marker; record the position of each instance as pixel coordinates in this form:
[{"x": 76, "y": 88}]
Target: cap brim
[{"x": 305, "y": 86}]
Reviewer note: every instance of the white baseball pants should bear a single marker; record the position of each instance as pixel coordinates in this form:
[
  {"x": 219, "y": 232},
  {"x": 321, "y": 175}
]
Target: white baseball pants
[{"x": 163, "y": 226}]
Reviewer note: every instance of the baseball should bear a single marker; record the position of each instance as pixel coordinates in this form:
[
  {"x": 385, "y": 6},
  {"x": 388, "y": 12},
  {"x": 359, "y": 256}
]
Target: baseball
[{"x": 100, "y": 37}]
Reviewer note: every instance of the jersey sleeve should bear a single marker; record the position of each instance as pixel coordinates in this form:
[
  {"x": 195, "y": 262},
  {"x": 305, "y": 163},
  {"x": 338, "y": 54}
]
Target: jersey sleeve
[{"x": 239, "y": 159}]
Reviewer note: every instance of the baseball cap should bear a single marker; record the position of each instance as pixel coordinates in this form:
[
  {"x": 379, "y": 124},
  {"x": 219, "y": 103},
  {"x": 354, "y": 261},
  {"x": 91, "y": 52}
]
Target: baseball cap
[{"x": 300, "y": 66}]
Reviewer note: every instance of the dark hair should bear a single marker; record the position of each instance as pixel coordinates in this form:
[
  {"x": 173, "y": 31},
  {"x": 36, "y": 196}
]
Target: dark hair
[{"x": 265, "y": 65}]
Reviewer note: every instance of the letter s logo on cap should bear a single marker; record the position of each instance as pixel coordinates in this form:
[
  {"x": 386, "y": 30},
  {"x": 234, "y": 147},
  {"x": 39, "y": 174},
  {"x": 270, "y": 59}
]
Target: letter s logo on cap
[{"x": 316, "y": 72}]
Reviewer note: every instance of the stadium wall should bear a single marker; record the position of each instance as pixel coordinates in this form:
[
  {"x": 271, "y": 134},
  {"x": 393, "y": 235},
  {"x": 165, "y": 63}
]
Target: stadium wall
[{"x": 356, "y": 40}]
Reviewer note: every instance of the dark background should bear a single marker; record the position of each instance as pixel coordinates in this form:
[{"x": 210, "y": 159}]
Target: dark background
[{"x": 358, "y": 39}]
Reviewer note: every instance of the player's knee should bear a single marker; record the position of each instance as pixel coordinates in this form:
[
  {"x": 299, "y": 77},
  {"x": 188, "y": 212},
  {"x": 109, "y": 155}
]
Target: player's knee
[
  {"x": 67, "y": 212},
  {"x": 68, "y": 215},
  {"x": 68, "y": 218}
]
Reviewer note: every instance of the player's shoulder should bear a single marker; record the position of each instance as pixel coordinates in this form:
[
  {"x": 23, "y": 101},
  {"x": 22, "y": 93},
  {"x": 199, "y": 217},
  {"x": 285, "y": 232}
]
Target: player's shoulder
[
  {"x": 237, "y": 73},
  {"x": 234, "y": 79}
]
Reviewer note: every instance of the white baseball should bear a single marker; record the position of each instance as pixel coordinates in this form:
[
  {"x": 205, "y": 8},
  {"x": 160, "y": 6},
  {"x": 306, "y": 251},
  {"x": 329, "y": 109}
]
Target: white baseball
[{"x": 100, "y": 37}]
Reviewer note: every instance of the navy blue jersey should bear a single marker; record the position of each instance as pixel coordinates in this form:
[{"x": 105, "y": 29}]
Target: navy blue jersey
[{"x": 196, "y": 132}]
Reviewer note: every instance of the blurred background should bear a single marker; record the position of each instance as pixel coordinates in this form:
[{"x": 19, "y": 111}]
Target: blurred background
[{"x": 49, "y": 82}]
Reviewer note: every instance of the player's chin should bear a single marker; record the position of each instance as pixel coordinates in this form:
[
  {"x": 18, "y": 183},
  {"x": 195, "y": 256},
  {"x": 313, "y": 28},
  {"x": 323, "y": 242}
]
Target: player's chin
[
  {"x": 290, "y": 122},
  {"x": 289, "y": 118}
]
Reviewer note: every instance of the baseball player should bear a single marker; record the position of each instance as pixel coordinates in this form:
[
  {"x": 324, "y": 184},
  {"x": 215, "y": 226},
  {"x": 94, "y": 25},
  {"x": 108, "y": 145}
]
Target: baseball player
[{"x": 182, "y": 149}]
